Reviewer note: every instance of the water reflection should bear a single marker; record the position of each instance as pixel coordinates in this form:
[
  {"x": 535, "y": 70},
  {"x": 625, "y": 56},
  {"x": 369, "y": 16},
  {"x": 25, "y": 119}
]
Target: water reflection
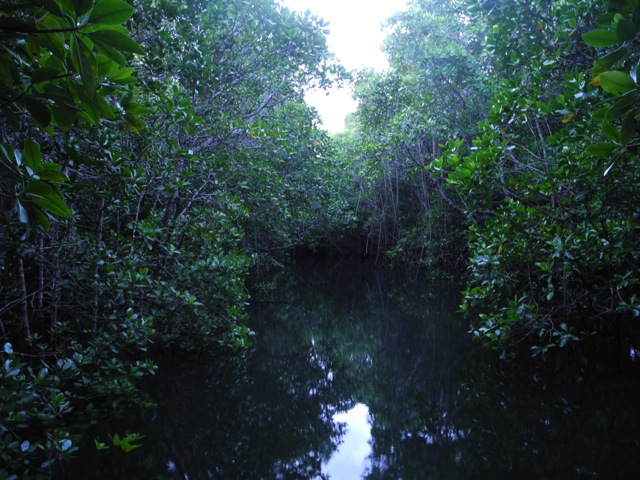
[
  {"x": 351, "y": 460},
  {"x": 422, "y": 401}
]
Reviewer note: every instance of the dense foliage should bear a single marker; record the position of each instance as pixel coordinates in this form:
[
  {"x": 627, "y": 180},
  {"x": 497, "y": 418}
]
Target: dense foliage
[
  {"x": 152, "y": 152},
  {"x": 553, "y": 237},
  {"x": 506, "y": 126}
]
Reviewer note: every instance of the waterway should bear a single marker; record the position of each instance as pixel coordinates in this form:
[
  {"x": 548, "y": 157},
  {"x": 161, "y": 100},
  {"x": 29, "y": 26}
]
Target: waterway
[{"x": 358, "y": 372}]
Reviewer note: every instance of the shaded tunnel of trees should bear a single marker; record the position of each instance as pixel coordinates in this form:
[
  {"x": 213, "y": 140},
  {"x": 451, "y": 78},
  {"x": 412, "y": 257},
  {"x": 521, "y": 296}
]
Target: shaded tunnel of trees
[{"x": 155, "y": 153}]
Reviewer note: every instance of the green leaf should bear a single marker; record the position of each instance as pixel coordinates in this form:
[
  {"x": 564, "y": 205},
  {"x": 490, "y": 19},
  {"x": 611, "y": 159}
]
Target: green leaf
[
  {"x": 610, "y": 131},
  {"x": 601, "y": 38},
  {"x": 628, "y": 129},
  {"x": 54, "y": 204},
  {"x": 625, "y": 30},
  {"x": 89, "y": 112},
  {"x": 54, "y": 41},
  {"x": 38, "y": 188},
  {"x": 117, "y": 40},
  {"x": 601, "y": 149},
  {"x": 621, "y": 106},
  {"x": 106, "y": 66},
  {"x": 85, "y": 63},
  {"x": 605, "y": 19},
  {"x": 103, "y": 107},
  {"x": 122, "y": 73},
  {"x": 31, "y": 154},
  {"x": 39, "y": 218},
  {"x": 7, "y": 161},
  {"x": 109, "y": 51},
  {"x": 80, "y": 7},
  {"x": 51, "y": 6},
  {"x": 128, "y": 447},
  {"x": 134, "y": 122},
  {"x": 100, "y": 445},
  {"x": 64, "y": 116},
  {"x": 125, "y": 81},
  {"x": 51, "y": 175},
  {"x": 616, "y": 82},
  {"x": 110, "y": 12},
  {"x": 604, "y": 63}
]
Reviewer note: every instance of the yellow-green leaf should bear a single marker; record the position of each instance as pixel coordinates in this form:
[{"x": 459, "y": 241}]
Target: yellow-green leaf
[
  {"x": 616, "y": 82},
  {"x": 600, "y": 38},
  {"x": 122, "y": 73}
]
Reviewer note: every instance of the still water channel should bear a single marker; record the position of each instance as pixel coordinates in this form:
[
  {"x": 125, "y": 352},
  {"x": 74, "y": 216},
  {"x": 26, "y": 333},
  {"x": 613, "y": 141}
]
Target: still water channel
[{"x": 359, "y": 373}]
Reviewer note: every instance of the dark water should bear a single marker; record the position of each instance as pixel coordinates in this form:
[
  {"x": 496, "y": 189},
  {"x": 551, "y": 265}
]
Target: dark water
[{"x": 356, "y": 374}]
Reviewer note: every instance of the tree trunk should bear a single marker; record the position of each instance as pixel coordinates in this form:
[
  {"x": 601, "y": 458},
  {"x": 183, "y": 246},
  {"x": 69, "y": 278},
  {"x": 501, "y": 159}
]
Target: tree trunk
[
  {"x": 55, "y": 291},
  {"x": 40, "y": 295},
  {"x": 98, "y": 246},
  {"x": 26, "y": 327}
]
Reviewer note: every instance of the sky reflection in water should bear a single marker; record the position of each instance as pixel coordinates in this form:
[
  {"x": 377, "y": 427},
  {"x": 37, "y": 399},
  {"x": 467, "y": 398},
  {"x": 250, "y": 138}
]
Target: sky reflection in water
[{"x": 351, "y": 459}]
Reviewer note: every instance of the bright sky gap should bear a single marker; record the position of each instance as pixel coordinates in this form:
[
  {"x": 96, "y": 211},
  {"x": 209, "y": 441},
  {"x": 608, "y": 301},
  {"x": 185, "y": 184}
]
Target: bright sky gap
[{"x": 356, "y": 39}]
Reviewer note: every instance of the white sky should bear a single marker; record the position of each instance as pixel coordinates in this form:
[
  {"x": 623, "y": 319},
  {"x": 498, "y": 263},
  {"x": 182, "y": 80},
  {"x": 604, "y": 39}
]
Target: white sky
[
  {"x": 351, "y": 459},
  {"x": 356, "y": 39}
]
